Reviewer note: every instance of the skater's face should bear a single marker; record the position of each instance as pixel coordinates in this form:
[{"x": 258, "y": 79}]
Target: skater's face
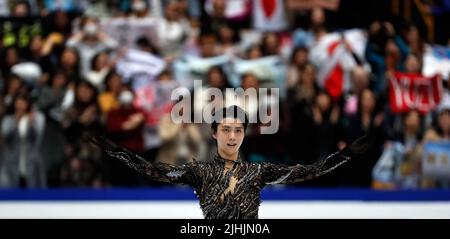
[{"x": 229, "y": 135}]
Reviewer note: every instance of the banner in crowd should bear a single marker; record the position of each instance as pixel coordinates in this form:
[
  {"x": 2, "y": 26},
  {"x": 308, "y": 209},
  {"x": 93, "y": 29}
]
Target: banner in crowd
[
  {"x": 139, "y": 66},
  {"x": 200, "y": 65},
  {"x": 269, "y": 15},
  {"x": 154, "y": 100},
  {"x": 190, "y": 68},
  {"x": 19, "y": 31},
  {"x": 412, "y": 91},
  {"x": 334, "y": 59},
  {"x": 234, "y": 9},
  {"x": 310, "y": 4},
  {"x": 270, "y": 68},
  {"x": 436, "y": 60},
  {"x": 128, "y": 30},
  {"x": 436, "y": 160}
]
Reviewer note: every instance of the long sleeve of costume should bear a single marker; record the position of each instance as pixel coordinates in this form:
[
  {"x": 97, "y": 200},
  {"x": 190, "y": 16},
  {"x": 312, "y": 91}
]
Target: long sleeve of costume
[
  {"x": 184, "y": 174},
  {"x": 274, "y": 174}
]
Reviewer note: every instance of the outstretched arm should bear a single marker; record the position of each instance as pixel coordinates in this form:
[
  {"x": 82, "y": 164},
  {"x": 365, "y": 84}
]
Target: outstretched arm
[
  {"x": 274, "y": 174},
  {"x": 184, "y": 174}
]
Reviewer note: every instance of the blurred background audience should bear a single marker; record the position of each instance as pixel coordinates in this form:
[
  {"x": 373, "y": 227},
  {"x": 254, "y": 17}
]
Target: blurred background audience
[{"x": 70, "y": 69}]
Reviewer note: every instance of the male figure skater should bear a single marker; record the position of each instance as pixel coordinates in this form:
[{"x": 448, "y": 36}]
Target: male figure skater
[{"x": 226, "y": 186}]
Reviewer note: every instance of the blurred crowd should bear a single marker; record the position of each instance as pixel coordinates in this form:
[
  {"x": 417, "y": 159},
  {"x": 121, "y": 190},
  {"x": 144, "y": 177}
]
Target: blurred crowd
[{"x": 70, "y": 69}]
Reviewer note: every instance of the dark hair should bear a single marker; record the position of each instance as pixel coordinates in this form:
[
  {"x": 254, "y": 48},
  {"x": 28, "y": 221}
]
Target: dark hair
[
  {"x": 437, "y": 127},
  {"x": 377, "y": 106},
  {"x": 89, "y": 85},
  {"x": 56, "y": 73},
  {"x": 95, "y": 58},
  {"x": 164, "y": 72},
  {"x": 236, "y": 37},
  {"x": 225, "y": 81},
  {"x": 109, "y": 76},
  {"x": 23, "y": 2},
  {"x": 403, "y": 117},
  {"x": 77, "y": 65},
  {"x": 297, "y": 50},
  {"x": 233, "y": 111},
  {"x": 23, "y": 96},
  {"x": 144, "y": 42}
]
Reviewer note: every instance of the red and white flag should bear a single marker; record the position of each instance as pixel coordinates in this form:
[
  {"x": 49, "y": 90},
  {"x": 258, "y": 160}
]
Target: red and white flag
[
  {"x": 269, "y": 15},
  {"x": 414, "y": 91},
  {"x": 334, "y": 61}
]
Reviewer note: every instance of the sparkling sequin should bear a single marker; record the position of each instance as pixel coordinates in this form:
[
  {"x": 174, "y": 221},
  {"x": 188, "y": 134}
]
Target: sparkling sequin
[{"x": 210, "y": 183}]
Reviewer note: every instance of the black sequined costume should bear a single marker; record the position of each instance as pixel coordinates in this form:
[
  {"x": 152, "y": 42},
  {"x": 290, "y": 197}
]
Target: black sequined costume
[{"x": 230, "y": 193}]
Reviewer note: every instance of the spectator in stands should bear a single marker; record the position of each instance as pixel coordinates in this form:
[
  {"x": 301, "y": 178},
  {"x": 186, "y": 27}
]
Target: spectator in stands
[
  {"x": 399, "y": 166},
  {"x": 215, "y": 79},
  {"x": 441, "y": 129},
  {"x": 101, "y": 65},
  {"x": 13, "y": 87},
  {"x": 301, "y": 99},
  {"x": 79, "y": 172},
  {"x": 359, "y": 81},
  {"x": 254, "y": 52},
  {"x": 271, "y": 44},
  {"x": 413, "y": 64},
  {"x": 58, "y": 33},
  {"x": 154, "y": 99},
  {"x": 414, "y": 40},
  {"x": 208, "y": 46},
  {"x": 260, "y": 147},
  {"x": 304, "y": 91},
  {"x": 89, "y": 41},
  {"x": 53, "y": 99},
  {"x": 109, "y": 98},
  {"x": 172, "y": 30},
  {"x": 181, "y": 142},
  {"x": 298, "y": 62},
  {"x": 21, "y": 9},
  {"x": 124, "y": 126},
  {"x": 139, "y": 9},
  {"x": 249, "y": 82},
  {"x": 51, "y": 96},
  {"x": 212, "y": 20},
  {"x": 317, "y": 29},
  {"x": 144, "y": 44},
  {"x": 22, "y": 164},
  {"x": 368, "y": 118},
  {"x": 69, "y": 64},
  {"x": 83, "y": 117},
  {"x": 9, "y": 58},
  {"x": 326, "y": 123},
  {"x": 385, "y": 51},
  {"x": 228, "y": 40},
  {"x": 440, "y": 132}
]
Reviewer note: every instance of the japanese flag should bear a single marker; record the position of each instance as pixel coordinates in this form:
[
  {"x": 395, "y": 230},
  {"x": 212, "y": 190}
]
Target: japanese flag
[
  {"x": 269, "y": 15},
  {"x": 335, "y": 62}
]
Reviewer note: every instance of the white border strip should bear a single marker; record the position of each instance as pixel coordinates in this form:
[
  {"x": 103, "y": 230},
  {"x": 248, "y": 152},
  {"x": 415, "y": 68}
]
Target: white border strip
[{"x": 191, "y": 210}]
